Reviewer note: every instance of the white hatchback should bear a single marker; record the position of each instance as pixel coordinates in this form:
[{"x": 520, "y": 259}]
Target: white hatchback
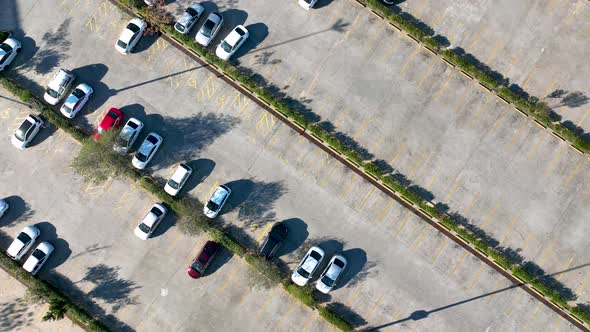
[
  {"x": 130, "y": 36},
  {"x": 147, "y": 150},
  {"x": 76, "y": 100},
  {"x": 38, "y": 258},
  {"x": 308, "y": 265},
  {"x": 178, "y": 179},
  {"x": 25, "y": 133},
  {"x": 232, "y": 42},
  {"x": 23, "y": 242},
  {"x": 150, "y": 222}
]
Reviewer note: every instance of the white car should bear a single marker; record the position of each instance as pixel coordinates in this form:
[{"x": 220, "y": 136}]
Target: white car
[
  {"x": 189, "y": 18},
  {"x": 178, "y": 179},
  {"x": 127, "y": 136},
  {"x": 216, "y": 201},
  {"x": 3, "y": 207},
  {"x": 209, "y": 29},
  {"x": 38, "y": 258},
  {"x": 131, "y": 35},
  {"x": 150, "y": 222},
  {"x": 25, "y": 133},
  {"x": 307, "y": 4},
  {"x": 8, "y": 50},
  {"x": 308, "y": 265},
  {"x": 23, "y": 242},
  {"x": 147, "y": 150},
  {"x": 76, "y": 100},
  {"x": 333, "y": 271},
  {"x": 232, "y": 42},
  {"x": 59, "y": 85}
]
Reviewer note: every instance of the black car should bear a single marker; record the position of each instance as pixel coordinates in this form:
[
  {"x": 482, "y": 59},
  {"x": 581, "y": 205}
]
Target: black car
[{"x": 273, "y": 241}]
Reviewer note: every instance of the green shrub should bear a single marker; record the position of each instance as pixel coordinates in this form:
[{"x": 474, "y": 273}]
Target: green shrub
[
  {"x": 303, "y": 294},
  {"x": 329, "y": 315},
  {"x": 233, "y": 245},
  {"x": 265, "y": 267}
]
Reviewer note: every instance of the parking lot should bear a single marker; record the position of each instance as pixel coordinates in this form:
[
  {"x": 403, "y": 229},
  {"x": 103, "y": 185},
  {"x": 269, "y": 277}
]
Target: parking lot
[
  {"x": 394, "y": 279},
  {"x": 539, "y": 46},
  {"x": 465, "y": 148}
]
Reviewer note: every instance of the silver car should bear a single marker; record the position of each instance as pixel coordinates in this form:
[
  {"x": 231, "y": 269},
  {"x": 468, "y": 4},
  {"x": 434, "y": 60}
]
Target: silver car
[
  {"x": 189, "y": 18},
  {"x": 76, "y": 100},
  {"x": 8, "y": 51},
  {"x": 38, "y": 258},
  {"x": 209, "y": 29},
  {"x": 127, "y": 136},
  {"x": 147, "y": 150},
  {"x": 332, "y": 272},
  {"x": 216, "y": 201},
  {"x": 308, "y": 265},
  {"x": 26, "y": 131},
  {"x": 23, "y": 242}
]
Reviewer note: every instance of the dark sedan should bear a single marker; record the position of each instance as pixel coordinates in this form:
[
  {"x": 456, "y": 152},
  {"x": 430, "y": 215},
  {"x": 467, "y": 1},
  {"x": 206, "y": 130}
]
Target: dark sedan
[{"x": 273, "y": 241}]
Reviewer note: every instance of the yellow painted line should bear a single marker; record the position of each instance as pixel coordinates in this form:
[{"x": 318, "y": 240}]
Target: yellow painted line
[
  {"x": 391, "y": 48},
  {"x": 476, "y": 278},
  {"x": 336, "y": 15},
  {"x": 527, "y": 240},
  {"x": 573, "y": 14},
  {"x": 546, "y": 254},
  {"x": 277, "y": 328},
  {"x": 528, "y": 79},
  {"x": 498, "y": 122},
  {"x": 551, "y": 5},
  {"x": 354, "y": 295},
  {"x": 241, "y": 102},
  {"x": 443, "y": 87},
  {"x": 368, "y": 314},
  {"x": 548, "y": 90},
  {"x": 462, "y": 99},
  {"x": 263, "y": 308},
  {"x": 362, "y": 128},
  {"x": 567, "y": 266},
  {"x": 349, "y": 186},
  {"x": 211, "y": 190},
  {"x": 418, "y": 11},
  {"x": 244, "y": 296},
  {"x": 479, "y": 111},
  {"x": 309, "y": 320},
  {"x": 353, "y": 25},
  {"x": 404, "y": 223},
  {"x": 395, "y": 316},
  {"x": 432, "y": 180},
  {"x": 519, "y": 132},
  {"x": 473, "y": 200},
  {"x": 329, "y": 175},
  {"x": 231, "y": 275},
  {"x": 476, "y": 39},
  {"x": 512, "y": 63},
  {"x": 583, "y": 118},
  {"x": 340, "y": 118},
  {"x": 494, "y": 52},
  {"x": 397, "y": 153},
  {"x": 419, "y": 165},
  {"x": 192, "y": 255},
  {"x": 583, "y": 284},
  {"x": 554, "y": 161},
  {"x": 556, "y": 324},
  {"x": 377, "y": 144},
  {"x": 516, "y": 300},
  {"x": 264, "y": 231},
  {"x": 525, "y": 327},
  {"x": 405, "y": 66},
  {"x": 419, "y": 239},
  {"x": 496, "y": 288},
  {"x": 384, "y": 212},
  {"x": 371, "y": 43},
  {"x": 440, "y": 249},
  {"x": 532, "y": 153},
  {"x": 453, "y": 189},
  {"x": 508, "y": 229},
  {"x": 267, "y": 120},
  {"x": 366, "y": 198},
  {"x": 439, "y": 18},
  {"x": 428, "y": 71},
  {"x": 97, "y": 120},
  {"x": 459, "y": 262},
  {"x": 173, "y": 244}
]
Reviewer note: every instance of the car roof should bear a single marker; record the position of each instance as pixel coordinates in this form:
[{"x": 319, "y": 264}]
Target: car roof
[
  {"x": 126, "y": 35},
  {"x": 32, "y": 231},
  {"x": 235, "y": 35},
  {"x": 108, "y": 121},
  {"x": 149, "y": 218},
  {"x": 219, "y": 194},
  {"x": 179, "y": 173},
  {"x": 204, "y": 255},
  {"x": 57, "y": 79},
  {"x": 334, "y": 269},
  {"x": 214, "y": 17},
  {"x": 11, "y": 42},
  {"x": 279, "y": 229}
]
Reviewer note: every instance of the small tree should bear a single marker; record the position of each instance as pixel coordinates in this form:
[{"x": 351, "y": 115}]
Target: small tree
[{"x": 57, "y": 309}]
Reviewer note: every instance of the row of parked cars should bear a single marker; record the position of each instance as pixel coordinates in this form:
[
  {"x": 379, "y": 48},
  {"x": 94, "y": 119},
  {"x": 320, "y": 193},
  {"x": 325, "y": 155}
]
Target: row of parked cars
[{"x": 25, "y": 241}]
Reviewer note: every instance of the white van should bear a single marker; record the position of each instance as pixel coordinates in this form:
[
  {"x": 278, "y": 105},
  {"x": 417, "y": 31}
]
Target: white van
[{"x": 58, "y": 87}]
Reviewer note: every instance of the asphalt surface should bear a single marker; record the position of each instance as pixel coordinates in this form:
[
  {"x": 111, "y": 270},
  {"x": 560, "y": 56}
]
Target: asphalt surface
[{"x": 402, "y": 273}]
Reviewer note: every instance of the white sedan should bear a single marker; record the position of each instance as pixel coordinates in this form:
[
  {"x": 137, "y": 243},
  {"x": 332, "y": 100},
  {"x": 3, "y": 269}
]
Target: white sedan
[
  {"x": 76, "y": 100},
  {"x": 27, "y": 131},
  {"x": 131, "y": 35},
  {"x": 232, "y": 42},
  {"x": 178, "y": 179},
  {"x": 333, "y": 271},
  {"x": 307, "y": 4},
  {"x": 23, "y": 242},
  {"x": 8, "y": 50},
  {"x": 3, "y": 207},
  {"x": 209, "y": 29},
  {"x": 308, "y": 265},
  {"x": 38, "y": 258},
  {"x": 147, "y": 150},
  {"x": 127, "y": 136},
  {"x": 216, "y": 201},
  {"x": 189, "y": 18},
  {"x": 150, "y": 222}
]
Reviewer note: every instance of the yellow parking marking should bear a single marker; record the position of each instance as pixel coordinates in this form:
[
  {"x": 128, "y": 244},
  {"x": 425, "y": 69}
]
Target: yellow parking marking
[
  {"x": 496, "y": 288},
  {"x": 192, "y": 255},
  {"x": 528, "y": 79},
  {"x": 267, "y": 120},
  {"x": 532, "y": 153},
  {"x": 97, "y": 120},
  {"x": 354, "y": 295},
  {"x": 556, "y": 324},
  {"x": 397, "y": 153},
  {"x": 527, "y": 240},
  {"x": 231, "y": 275},
  {"x": 554, "y": 161},
  {"x": 459, "y": 262},
  {"x": 581, "y": 287},
  {"x": 512, "y": 64},
  {"x": 583, "y": 118},
  {"x": 419, "y": 239},
  {"x": 440, "y": 249},
  {"x": 244, "y": 296},
  {"x": 453, "y": 189},
  {"x": 384, "y": 212},
  {"x": 349, "y": 186},
  {"x": 403, "y": 223},
  {"x": 340, "y": 118},
  {"x": 418, "y": 165},
  {"x": 391, "y": 47},
  {"x": 174, "y": 241},
  {"x": 241, "y": 102},
  {"x": 264, "y": 231},
  {"x": 362, "y": 128},
  {"x": 308, "y": 322},
  {"x": 462, "y": 99},
  {"x": 329, "y": 175},
  {"x": 265, "y": 305},
  {"x": 546, "y": 254},
  {"x": 516, "y": 300},
  {"x": 573, "y": 14},
  {"x": 473, "y": 200},
  {"x": 91, "y": 24},
  {"x": 353, "y": 25},
  {"x": 293, "y": 306},
  {"x": 336, "y": 14},
  {"x": 366, "y": 198},
  {"x": 494, "y": 52},
  {"x": 211, "y": 190},
  {"x": 551, "y": 5},
  {"x": 548, "y": 90},
  {"x": 210, "y": 88},
  {"x": 428, "y": 71},
  {"x": 498, "y": 122},
  {"x": 418, "y": 11},
  {"x": 519, "y": 132},
  {"x": 371, "y": 43},
  {"x": 395, "y": 316},
  {"x": 537, "y": 310},
  {"x": 475, "y": 40},
  {"x": 432, "y": 179},
  {"x": 291, "y": 79},
  {"x": 479, "y": 111},
  {"x": 377, "y": 144},
  {"x": 508, "y": 229},
  {"x": 476, "y": 278},
  {"x": 567, "y": 266},
  {"x": 443, "y": 87},
  {"x": 405, "y": 66},
  {"x": 368, "y": 314}
]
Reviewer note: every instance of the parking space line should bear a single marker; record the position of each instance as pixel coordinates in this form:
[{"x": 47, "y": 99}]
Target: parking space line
[
  {"x": 293, "y": 306},
  {"x": 354, "y": 24},
  {"x": 192, "y": 254},
  {"x": 513, "y": 304},
  {"x": 512, "y": 63},
  {"x": 462, "y": 99},
  {"x": 230, "y": 277},
  {"x": 530, "y": 76},
  {"x": 551, "y": 5},
  {"x": 476, "y": 278},
  {"x": 377, "y": 144},
  {"x": 173, "y": 243},
  {"x": 527, "y": 240},
  {"x": 404, "y": 223},
  {"x": 418, "y": 165},
  {"x": 366, "y": 198},
  {"x": 476, "y": 39},
  {"x": 407, "y": 63},
  {"x": 354, "y": 295},
  {"x": 453, "y": 189},
  {"x": 440, "y": 249},
  {"x": 494, "y": 52},
  {"x": 397, "y": 153},
  {"x": 391, "y": 47},
  {"x": 567, "y": 266},
  {"x": 368, "y": 314},
  {"x": 546, "y": 254},
  {"x": 265, "y": 305},
  {"x": 443, "y": 87},
  {"x": 496, "y": 288},
  {"x": 508, "y": 229},
  {"x": 340, "y": 118},
  {"x": 583, "y": 284},
  {"x": 349, "y": 186},
  {"x": 459, "y": 262},
  {"x": 362, "y": 128},
  {"x": 433, "y": 62},
  {"x": 570, "y": 17},
  {"x": 519, "y": 132},
  {"x": 532, "y": 153},
  {"x": 473, "y": 200},
  {"x": 264, "y": 231},
  {"x": 211, "y": 190},
  {"x": 556, "y": 324},
  {"x": 530, "y": 320},
  {"x": 374, "y": 39},
  {"x": 308, "y": 322},
  {"x": 479, "y": 111},
  {"x": 384, "y": 212},
  {"x": 554, "y": 161},
  {"x": 244, "y": 296},
  {"x": 548, "y": 90},
  {"x": 329, "y": 175},
  {"x": 583, "y": 118},
  {"x": 498, "y": 122},
  {"x": 416, "y": 243}
]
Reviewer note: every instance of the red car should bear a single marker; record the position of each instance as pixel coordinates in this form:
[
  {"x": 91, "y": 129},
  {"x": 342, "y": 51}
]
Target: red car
[
  {"x": 203, "y": 259},
  {"x": 112, "y": 119}
]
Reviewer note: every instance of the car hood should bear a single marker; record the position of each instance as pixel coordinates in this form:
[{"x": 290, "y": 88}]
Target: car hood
[
  {"x": 209, "y": 213},
  {"x": 15, "y": 247},
  {"x": 298, "y": 279},
  {"x": 201, "y": 39},
  {"x": 194, "y": 274},
  {"x": 17, "y": 143},
  {"x": 30, "y": 263},
  {"x": 50, "y": 100},
  {"x": 322, "y": 287},
  {"x": 221, "y": 53},
  {"x": 126, "y": 36},
  {"x": 140, "y": 234}
]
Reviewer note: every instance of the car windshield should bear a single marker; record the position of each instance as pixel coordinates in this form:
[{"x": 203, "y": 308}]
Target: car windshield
[
  {"x": 21, "y": 132},
  {"x": 6, "y": 48},
  {"x": 140, "y": 156},
  {"x": 303, "y": 272},
  {"x": 308, "y": 1},
  {"x": 121, "y": 140},
  {"x": 122, "y": 44},
  {"x": 66, "y": 109},
  {"x": 192, "y": 11},
  {"x": 51, "y": 92},
  {"x": 339, "y": 263},
  {"x": 212, "y": 206},
  {"x": 179, "y": 27},
  {"x": 173, "y": 184},
  {"x": 132, "y": 27},
  {"x": 328, "y": 281},
  {"x": 196, "y": 266},
  {"x": 226, "y": 47},
  {"x": 78, "y": 93},
  {"x": 152, "y": 139},
  {"x": 315, "y": 255},
  {"x": 113, "y": 115},
  {"x": 156, "y": 211},
  {"x": 144, "y": 228},
  {"x": 38, "y": 254},
  {"x": 207, "y": 28},
  {"x": 24, "y": 238}
]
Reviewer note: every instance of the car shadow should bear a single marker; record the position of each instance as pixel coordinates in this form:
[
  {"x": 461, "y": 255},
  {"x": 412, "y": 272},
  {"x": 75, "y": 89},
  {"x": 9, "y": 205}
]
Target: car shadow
[
  {"x": 93, "y": 75},
  {"x": 223, "y": 256},
  {"x": 28, "y": 50},
  {"x": 18, "y": 211},
  {"x": 296, "y": 236},
  {"x": 202, "y": 168},
  {"x": 62, "y": 248},
  {"x": 231, "y": 18},
  {"x": 166, "y": 223},
  {"x": 322, "y": 4},
  {"x": 329, "y": 245},
  {"x": 47, "y": 130},
  {"x": 357, "y": 261},
  {"x": 144, "y": 43},
  {"x": 258, "y": 33}
]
